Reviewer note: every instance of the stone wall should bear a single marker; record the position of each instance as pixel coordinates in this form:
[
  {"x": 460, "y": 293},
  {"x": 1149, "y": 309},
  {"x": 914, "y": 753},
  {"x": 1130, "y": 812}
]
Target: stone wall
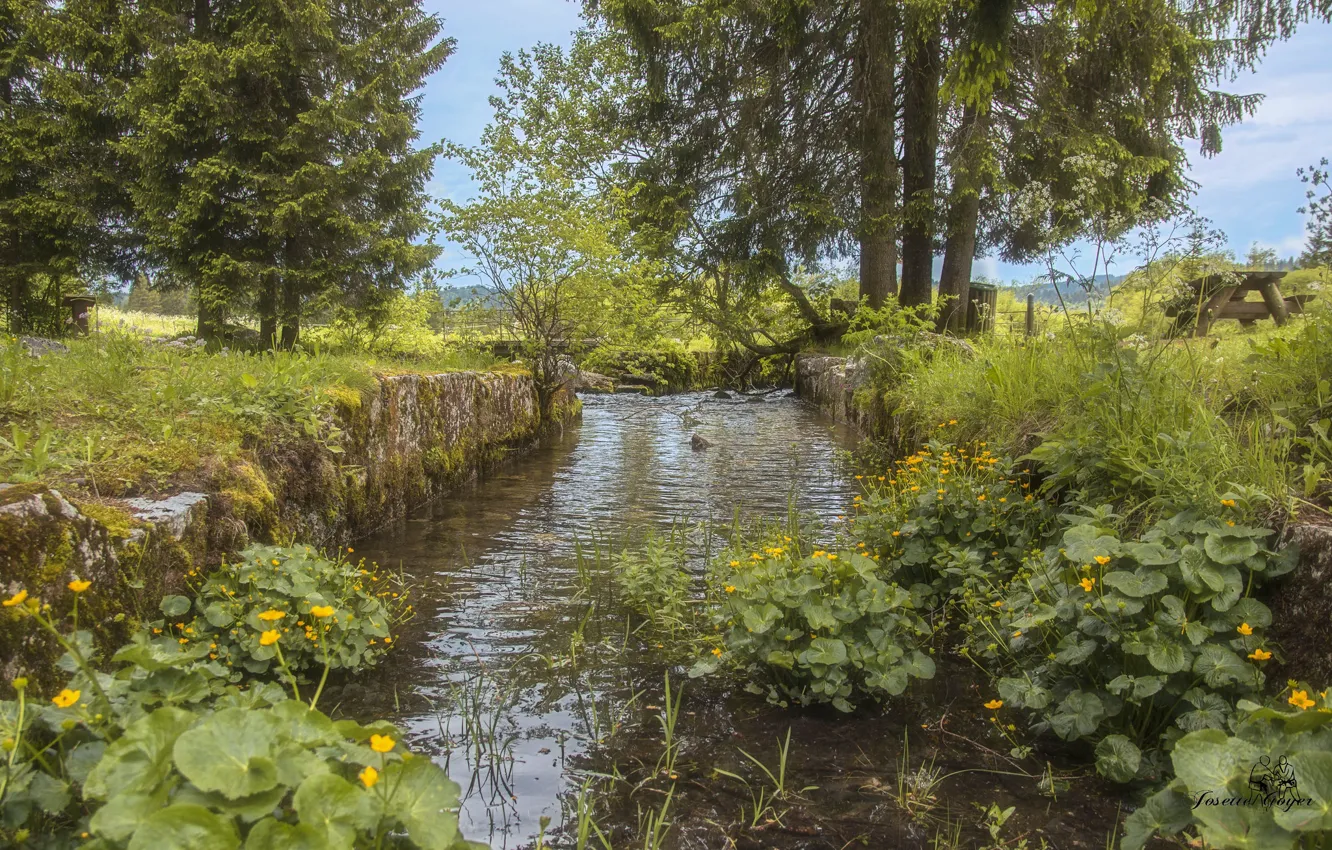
[
  {"x": 831, "y": 383},
  {"x": 400, "y": 446}
]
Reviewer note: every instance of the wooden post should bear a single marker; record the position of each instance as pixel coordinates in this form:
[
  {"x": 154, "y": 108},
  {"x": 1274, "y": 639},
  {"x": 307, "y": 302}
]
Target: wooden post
[
  {"x": 1031, "y": 315},
  {"x": 1276, "y": 304},
  {"x": 1212, "y": 309}
]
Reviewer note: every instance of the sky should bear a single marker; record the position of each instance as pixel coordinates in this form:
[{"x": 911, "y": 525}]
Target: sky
[{"x": 1249, "y": 191}]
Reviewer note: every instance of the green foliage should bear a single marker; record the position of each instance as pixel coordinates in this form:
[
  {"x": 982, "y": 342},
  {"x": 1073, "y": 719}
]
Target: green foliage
[
  {"x": 1129, "y": 641},
  {"x": 816, "y": 627},
  {"x": 325, "y": 197},
  {"x": 164, "y": 751},
  {"x": 655, "y": 582},
  {"x": 666, "y": 369},
  {"x": 1267, "y": 784},
  {"x": 890, "y": 320},
  {"x": 240, "y": 601}
]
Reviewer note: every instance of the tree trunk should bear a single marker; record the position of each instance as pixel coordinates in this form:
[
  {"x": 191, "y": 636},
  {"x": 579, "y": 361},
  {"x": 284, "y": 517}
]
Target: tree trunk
[
  {"x": 963, "y": 221},
  {"x": 210, "y": 318},
  {"x": 291, "y": 317},
  {"x": 876, "y": 61},
  {"x": 268, "y": 312},
  {"x": 920, "y": 146}
]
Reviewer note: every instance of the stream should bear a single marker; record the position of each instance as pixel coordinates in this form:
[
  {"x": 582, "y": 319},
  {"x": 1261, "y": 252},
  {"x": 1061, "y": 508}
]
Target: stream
[{"x": 524, "y": 677}]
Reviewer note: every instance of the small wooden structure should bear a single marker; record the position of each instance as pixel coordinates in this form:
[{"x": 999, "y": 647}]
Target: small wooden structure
[
  {"x": 982, "y": 302},
  {"x": 80, "y": 306},
  {"x": 1218, "y": 298}
]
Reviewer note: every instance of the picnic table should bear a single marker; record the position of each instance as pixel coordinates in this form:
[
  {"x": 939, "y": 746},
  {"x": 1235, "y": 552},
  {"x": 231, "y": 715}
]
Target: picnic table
[{"x": 1219, "y": 297}]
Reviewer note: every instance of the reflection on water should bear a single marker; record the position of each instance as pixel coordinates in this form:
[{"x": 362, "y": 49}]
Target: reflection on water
[{"x": 510, "y": 668}]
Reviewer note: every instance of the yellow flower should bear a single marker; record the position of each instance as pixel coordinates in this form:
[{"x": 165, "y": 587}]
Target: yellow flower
[
  {"x": 1260, "y": 655},
  {"x": 1228, "y": 503},
  {"x": 66, "y": 698},
  {"x": 1088, "y": 584},
  {"x": 735, "y": 563},
  {"x": 897, "y": 534},
  {"x": 350, "y": 549},
  {"x": 1300, "y": 699},
  {"x": 716, "y": 650},
  {"x": 994, "y": 704},
  {"x": 79, "y": 586},
  {"x": 271, "y": 614},
  {"x": 730, "y": 588},
  {"x": 1103, "y": 559},
  {"x": 16, "y": 599},
  {"x": 981, "y": 497},
  {"x": 388, "y": 640},
  {"x": 269, "y": 637},
  {"x": 832, "y": 557},
  {"x": 276, "y": 562},
  {"x": 322, "y": 610},
  {"x": 381, "y": 743},
  {"x": 1017, "y": 634},
  {"x": 1244, "y": 629},
  {"x": 998, "y": 604},
  {"x": 368, "y": 777}
]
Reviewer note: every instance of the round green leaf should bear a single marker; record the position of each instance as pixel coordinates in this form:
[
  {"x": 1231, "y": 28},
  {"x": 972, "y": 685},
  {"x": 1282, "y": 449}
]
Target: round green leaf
[
  {"x": 231, "y": 752},
  {"x": 141, "y": 758},
  {"x": 1229, "y": 550},
  {"x": 175, "y": 606},
  {"x": 275, "y": 835},
  {"x": 185, "y": 827},
  {"x": 336, "y": 809},
  {"x": 424, "y": 802},
  {"x": 1118, "y": 758},
  {"x": 1168, "y": 657}
]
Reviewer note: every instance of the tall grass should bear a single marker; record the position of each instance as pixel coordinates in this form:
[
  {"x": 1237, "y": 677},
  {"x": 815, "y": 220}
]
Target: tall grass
[{"x": 1155, "y": 426}]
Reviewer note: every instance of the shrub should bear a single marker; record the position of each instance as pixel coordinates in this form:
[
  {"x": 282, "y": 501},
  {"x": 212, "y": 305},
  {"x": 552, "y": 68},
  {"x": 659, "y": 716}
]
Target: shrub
[
  {"x": 669, "y": 369},
  {"x": 326, "y": 610},
  {"x": 1130, "y": 643},
  {"x": 655, "y": 583},
  {"x": 165, "y": 751},
  {"x": 949, "y": 513},
  {"x": 1268, "y": 785},
  {"x": 820, "y": 627}
]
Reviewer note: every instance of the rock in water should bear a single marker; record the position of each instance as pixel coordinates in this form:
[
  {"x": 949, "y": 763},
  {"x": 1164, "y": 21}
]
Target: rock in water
[
  {"x": 721, "y": 394},
  {"x": 699, "y": 442}
]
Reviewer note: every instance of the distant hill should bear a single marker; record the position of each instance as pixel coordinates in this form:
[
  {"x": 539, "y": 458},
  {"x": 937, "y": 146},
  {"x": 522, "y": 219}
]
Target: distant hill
[
  {"x": 1073, "y": 294},
  {"x": 457, "y": 296}
]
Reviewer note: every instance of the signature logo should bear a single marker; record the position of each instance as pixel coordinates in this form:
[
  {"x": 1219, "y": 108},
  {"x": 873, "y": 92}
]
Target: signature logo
[{"x": 1272, "y": 785}]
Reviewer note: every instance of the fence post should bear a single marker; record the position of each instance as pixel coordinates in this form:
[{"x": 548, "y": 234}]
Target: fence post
[{"x": 1031, "y": 315}]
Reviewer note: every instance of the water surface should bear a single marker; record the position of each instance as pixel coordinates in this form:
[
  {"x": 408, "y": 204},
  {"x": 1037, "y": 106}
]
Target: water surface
[{"x": 518, "y": 663}]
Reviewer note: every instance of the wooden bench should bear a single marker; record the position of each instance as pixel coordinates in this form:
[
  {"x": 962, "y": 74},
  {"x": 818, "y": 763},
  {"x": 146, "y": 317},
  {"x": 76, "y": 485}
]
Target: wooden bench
[{"x": 1222, "y": 302}]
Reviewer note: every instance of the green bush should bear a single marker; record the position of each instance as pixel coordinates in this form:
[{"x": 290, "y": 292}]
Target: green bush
[
  {"x": 671, "y": 369},
  {"x": 325, "y": 610},
  {"x": 655, "y": 583},
  {"x": 820, "y": 627},
  {"x": 164, "y": 750},
  {"x": 1130, "y": 641},
  {"x": 1266, "y": 785}
]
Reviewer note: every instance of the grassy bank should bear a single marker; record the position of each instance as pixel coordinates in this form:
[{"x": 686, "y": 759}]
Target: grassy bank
[
  {"x": 125, "y": 411},
  {"x": 1108, "y": 415}
]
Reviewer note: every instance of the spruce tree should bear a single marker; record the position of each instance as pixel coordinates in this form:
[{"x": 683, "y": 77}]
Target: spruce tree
[{"x": 273, "y": 152}]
